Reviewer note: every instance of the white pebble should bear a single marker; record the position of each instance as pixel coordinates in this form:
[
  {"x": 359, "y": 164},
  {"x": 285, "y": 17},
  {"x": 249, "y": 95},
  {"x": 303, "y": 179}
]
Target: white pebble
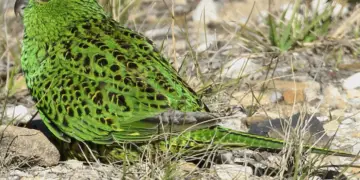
[{"x": 352, "y": 82}]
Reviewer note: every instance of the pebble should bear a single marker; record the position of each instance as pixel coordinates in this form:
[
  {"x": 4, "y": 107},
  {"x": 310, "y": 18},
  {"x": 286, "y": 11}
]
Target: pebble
[
  {"x": 20, "y": 113},
  {"x": 230, "y": 171},
  {"x": 352, "y": 82},
  {"x": 206, "y": 11},
  {"x": 240, "y": 67},
  {"x": 347, "y": 121},
  {"x": 276, "y": 96}
]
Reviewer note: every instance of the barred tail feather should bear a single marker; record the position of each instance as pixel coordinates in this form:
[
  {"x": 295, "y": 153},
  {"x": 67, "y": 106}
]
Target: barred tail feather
[{"x": 223, "y": 137}]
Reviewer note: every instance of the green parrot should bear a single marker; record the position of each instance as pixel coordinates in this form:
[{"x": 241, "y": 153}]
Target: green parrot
[{"x": 98, "y": 86}]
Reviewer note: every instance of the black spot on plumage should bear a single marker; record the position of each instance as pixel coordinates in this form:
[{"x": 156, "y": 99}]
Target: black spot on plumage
[
  {"x": 98, "y": 57},
  {"x": 87, "y": 71},
  {"x": 83, "y": 103},
  {"x": 136, "y": 56},
  {"x": 128, "y": 81},
  {"x": 102, "y": 120},
  {"x": 47, "y": 85},
  {"x": 55, "y": 96},
  {"x": 68, "y": 55},
  {"x": 79, "y": 112},
  {"x": 62, "y": 92},
  {"x": 111, "y": 95},
  {"x": 53, "y": 57},
  {"x": 98, "y": 111},
  {"x": 117, "y": 77},
  {"x": 140, "y": 84},
  {"x": 125, "y": 46},
  {"x": 171, "y": 90},
  {"x": 96, "y": 74},
  {"x": 120, "y": 58},
  {"x": 103, "y": 62},
  {"x": 164, "y": 106},
  {"x": 71, "y": 98},
  {"x": 98, "y": 99},
  {"x": 86, "y": 61},
  {"x": 87, "y": 110},
  {"x": 86, "y": 26},
  {"x": 160, "y": 97},
  {"x": 131, "y": 65},
  {"x": 121, "y": 100},
  {"x": 110, "y": 121},
  {"x": 114, "y": 68},
  {"x": 71, "y": 112},
  {"x": 70, "y": 82},
  {"x": 162, "y": 83},
  {"x": 116, "y": 53},
  {"x": 104, "y": 48},
  {"x": 135, "y": 35},
  {"x": 150, "y": 97},
  {"x": 64, "y": 98},
  {"x": 77, "y": 94},
  {"x": 150, "y": 90},
  {"x": 65, "y": 123},
  {"x": 59, "y": 108},
  {"x": 67, "y": 44},
  {"x": 78, "y": 57},
  {"x": 144, "y": 47},
  {"x": 73, "y": 30},
  {"x": 83, "y": 45},
  {"x": 126, "y": 32},
  {"x": 101, "y": 45},
  {"x": 154, "y": 106},
  {"x": 107, "y": 108},
  {"x": 87, "y": 90}
]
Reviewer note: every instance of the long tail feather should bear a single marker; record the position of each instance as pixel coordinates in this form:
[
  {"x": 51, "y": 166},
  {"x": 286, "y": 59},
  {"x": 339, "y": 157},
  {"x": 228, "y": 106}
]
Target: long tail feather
[{"x": 220, "y": 136}]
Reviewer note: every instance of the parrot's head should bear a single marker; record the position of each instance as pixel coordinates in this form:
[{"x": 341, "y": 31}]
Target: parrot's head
[{"x": 48, "y": 16}]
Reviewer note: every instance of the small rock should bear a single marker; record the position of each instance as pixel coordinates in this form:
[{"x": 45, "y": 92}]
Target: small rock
[
  {"x": 206, "y": 11},
  {"x": 227, "y": 158},
  {"x": 292, "y": 96},
  {"x": 187, "y": 166},
  {"x": 333, "y": 98},
  {"x": 276, "y": 97},
  {"x": 241, "y": 67},
  {"x": 230, "y": 171},
  {"x": 19, "y": 173},
  {"x": 311, "y": 93},
  {"x": 156, "y": 33},
  {"x": 319, "y": 6},
  {"x": 331, "y": 127},
  {"x": 315, "y": 178},
  {"x": 347, "y": 121},
  {"x": 353, "y": 96},
  {"x": 20, "y": 113},
  {"x": 323, "y": 118},
  {"x": 352, "y": 82},
  {"x": 26, "y": 146},
  {"x": 356, "y": 148},
  {"x": 74, "y": 164}
]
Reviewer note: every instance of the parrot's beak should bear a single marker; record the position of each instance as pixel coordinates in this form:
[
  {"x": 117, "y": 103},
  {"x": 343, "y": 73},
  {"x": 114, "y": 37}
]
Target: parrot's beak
[{"x": 20, "y": 6}]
